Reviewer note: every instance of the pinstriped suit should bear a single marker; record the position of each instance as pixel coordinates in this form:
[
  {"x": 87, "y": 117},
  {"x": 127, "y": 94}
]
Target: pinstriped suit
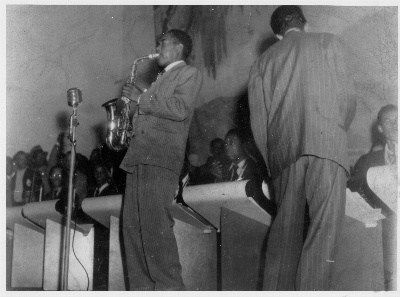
[
  {"x": 301, "y": 106},
  {"x": 154, "y": 160}
]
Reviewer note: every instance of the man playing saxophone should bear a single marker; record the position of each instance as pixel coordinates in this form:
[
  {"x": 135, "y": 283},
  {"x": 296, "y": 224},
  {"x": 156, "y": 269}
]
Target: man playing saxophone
[{"x": 153, "y": 162}]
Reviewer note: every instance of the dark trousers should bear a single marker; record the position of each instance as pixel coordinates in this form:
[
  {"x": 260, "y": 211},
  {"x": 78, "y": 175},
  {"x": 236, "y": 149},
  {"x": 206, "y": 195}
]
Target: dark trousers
[
  {"x": 293, "y": 263},
  {"x": 150, "y": 245}
]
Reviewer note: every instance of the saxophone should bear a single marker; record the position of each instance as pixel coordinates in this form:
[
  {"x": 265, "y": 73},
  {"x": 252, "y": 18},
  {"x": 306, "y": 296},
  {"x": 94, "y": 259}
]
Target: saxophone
[{"x": 119, "y": 128}]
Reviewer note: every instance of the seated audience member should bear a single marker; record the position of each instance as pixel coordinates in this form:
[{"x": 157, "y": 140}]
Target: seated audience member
[
  {"x": 241, "y": 167},
  {"x": 10, "y": 174},
  {"x": 387, "y": 126},
  {"x": 95, "y": 156},
  {"x": 80, "y": 178},
  {"x": 21, "y": 162},
  {"x": 104, "y": 187},
  {"x": 35, "y": 179},
  {"x": 217, "y": 162},
  {"x": 58, "y": 183},
  {"x": 387, "y": 155},
  {"x": 104, "y": 184},
  {"x": 112, "y": 160}
]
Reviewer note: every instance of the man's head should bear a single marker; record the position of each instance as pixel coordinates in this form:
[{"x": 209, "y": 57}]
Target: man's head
[
  {"x": 38, "y": 156},
  {"x": 100, "y": 174},
  {"x": 286, "y": 17},
  {"x": 21, "y": 160},
  {"x": 217, "y": 146},
  {"x": 174, "y": 45},
  {"x": 95, "y": 155},
  {"x": 387, "y": 122},
  {"x": 57, "y": 176},
  {"x": 234, "y": 146}
]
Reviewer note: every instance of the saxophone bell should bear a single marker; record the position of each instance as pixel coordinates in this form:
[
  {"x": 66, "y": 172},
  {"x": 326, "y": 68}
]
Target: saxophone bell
[
  {"x": 116, "y": 135},
  {"x": 119, "y": 128}
]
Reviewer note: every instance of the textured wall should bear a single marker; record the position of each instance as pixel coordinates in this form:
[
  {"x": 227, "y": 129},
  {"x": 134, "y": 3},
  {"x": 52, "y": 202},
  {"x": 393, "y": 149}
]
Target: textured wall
[{"x": 53, "y": 48}]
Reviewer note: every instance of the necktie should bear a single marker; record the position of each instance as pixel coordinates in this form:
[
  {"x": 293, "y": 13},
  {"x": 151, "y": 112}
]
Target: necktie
[
  {"x": 234, "y": 175},
  {"x": 160, "y": 73}
]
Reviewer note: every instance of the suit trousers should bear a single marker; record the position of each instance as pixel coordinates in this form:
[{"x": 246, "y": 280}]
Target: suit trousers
[
  {"x": 150, "y": 246},
  {"x": 292, "y": 262}
]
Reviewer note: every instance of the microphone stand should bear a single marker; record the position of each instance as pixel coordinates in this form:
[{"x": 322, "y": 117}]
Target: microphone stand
[{"x": 67, "y": 233}]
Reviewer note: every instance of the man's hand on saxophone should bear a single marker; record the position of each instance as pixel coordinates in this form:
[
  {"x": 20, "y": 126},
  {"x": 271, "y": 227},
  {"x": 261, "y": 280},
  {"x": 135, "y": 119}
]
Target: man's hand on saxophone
[{"x": 131, "y": 92}]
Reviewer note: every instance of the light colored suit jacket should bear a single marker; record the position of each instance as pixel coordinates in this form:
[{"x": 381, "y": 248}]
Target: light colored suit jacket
[
  {"x": 301, "y": 100},
  {"x": 162, "y": 125}
]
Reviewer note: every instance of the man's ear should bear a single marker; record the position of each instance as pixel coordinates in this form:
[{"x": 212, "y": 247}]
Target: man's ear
[
  {"x": 280, "y": 37},
  {"x": 305, "y": 29},
  {"x": 380, "y": 129}
]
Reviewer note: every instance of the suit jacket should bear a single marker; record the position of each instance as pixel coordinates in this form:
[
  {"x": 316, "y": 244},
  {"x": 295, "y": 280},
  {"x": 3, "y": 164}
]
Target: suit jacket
[
  {"x": 249, "y": 172},
  {"x": 162, "y": 125},
  {"x": 301, "y": 101},
  {"x": 107, "y": 191},
  {"x": 358, "y": 177},
  {"x": 358, "y": 180},
  {"x": 63, "y": 195}
]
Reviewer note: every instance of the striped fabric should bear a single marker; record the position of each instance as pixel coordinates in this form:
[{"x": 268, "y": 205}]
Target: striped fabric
[
  {"x": 301, "y": 101},
  {"x": 154, "y": 161},
  {"x": 150, "y": 245},
  {"x": 301, "y": 106},
  {"x": 290, "y": 264},
  {"x": 162, "y": 126}
]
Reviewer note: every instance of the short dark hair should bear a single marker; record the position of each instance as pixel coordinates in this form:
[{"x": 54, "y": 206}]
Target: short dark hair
[
  {"x": 19, "y": 153},
  {"x": 384, "y": 110},
  {"x": 217, "y": 141},
  {"x": 183, "y": 38},
  {"x": 237, "y": 132},
  {"x": 286, "y": 17},
  {"x": 63, "y": 174}
]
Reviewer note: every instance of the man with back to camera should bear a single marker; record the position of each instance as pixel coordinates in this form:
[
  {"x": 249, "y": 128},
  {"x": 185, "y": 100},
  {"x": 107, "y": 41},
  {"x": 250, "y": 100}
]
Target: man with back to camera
[
  {"x": 153, "y": 162},
  {"x": 301, "y": 106}
]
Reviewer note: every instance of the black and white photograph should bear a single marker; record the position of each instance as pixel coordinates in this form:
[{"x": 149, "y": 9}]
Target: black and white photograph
[{"x": 210, "y": 146}]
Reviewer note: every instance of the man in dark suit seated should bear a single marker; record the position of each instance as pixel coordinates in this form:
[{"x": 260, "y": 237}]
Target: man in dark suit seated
[
  {"x": 104, "y": 187},
  {"x": 104, "y": 184},
  {"x": 387, "y": 155},
  {"x": 241, "y": 166},
  {"x": 218, "y": 157}
]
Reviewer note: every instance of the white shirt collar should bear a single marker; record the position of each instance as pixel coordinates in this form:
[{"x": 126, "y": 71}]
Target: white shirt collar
[
  {"x": 389, "y": 152},
  {"x": 172, "y": 65},
  {"x": 103, "y": 187},
  {"x": 240, "y": 164},
  {"x": 241, "y": 167},
  {"x": 293, "y": 29}
]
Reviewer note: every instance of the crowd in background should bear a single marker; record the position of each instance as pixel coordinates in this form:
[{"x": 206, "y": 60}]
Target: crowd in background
[{"x": 39, "y": 176}]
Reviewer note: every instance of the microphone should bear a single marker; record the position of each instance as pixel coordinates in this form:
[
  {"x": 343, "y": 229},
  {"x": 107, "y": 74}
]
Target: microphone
[{"x": 74, "y": 96}]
